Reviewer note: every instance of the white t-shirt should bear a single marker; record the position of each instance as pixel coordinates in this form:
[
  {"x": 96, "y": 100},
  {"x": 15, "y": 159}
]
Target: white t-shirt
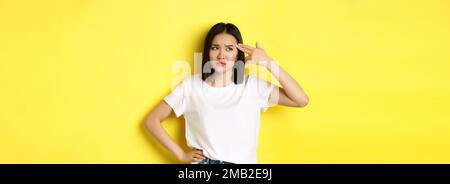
[{"x": 222, "y": 121}]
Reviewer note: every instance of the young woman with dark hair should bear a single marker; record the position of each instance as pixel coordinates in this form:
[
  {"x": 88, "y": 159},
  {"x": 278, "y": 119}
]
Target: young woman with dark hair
[{"x": 222, "y": 106}]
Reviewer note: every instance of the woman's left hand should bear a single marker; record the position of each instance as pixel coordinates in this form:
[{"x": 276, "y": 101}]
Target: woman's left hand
[{"x": 256, "y": 55}]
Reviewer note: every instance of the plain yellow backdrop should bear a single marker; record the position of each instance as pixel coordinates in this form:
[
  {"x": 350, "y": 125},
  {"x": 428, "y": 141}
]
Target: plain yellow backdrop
[{"x": 78, "y": 77}]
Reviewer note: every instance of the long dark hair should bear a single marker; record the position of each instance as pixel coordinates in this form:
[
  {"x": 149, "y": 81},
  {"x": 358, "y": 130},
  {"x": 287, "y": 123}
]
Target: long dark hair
[{"x": 238, "y": 68}]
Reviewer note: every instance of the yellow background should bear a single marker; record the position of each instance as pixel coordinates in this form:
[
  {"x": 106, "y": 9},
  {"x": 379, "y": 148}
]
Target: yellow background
[{"x": 78, "y": 77}]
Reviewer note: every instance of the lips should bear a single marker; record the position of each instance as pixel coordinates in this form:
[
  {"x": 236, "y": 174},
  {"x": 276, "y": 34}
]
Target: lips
[{"x": 222, "y": 63}]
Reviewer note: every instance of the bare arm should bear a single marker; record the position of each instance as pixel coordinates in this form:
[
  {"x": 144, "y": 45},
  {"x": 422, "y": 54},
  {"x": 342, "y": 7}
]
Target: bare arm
[
  {"x": 291, "y": 94},
  {"x": 153, "y": 123}
]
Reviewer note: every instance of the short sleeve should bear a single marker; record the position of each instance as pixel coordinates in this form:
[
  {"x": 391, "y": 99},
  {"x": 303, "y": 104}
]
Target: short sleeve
[
  {"x": 264, "y": 89},
  {"x": 176, "y": 99}
]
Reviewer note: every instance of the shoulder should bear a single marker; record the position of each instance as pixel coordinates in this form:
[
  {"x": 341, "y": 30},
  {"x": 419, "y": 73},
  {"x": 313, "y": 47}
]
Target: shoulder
[
  {"x": 259, "y": 84},
  {"x": 253, "y": 79}
]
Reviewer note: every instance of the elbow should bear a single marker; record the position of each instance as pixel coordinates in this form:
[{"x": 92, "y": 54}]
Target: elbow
[
  {"x": 150, "y": 123},
  {"x": 303, "y": 102}
]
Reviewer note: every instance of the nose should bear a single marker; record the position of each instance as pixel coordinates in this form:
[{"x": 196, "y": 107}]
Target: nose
[{"x": 220, "y": 55}]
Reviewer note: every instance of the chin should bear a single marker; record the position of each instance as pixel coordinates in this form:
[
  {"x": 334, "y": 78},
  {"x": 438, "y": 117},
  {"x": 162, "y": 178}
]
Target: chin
[{"x": 220, "y": 70}]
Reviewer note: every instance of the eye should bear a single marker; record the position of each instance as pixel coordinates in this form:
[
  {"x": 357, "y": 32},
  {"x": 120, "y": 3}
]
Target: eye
[
  {"x": 214, "y": 48},
  {"x": 229, "y": 49}
]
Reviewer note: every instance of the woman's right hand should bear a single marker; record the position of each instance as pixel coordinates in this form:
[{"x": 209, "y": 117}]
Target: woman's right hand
[{"x": 195, "y": 155}]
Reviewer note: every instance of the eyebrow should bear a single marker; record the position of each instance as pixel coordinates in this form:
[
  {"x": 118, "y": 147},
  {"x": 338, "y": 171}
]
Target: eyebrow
[{"x": 219, "y": 45}]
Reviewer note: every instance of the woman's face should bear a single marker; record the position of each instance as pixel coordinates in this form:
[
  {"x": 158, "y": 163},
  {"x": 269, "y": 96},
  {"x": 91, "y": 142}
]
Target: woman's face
[{"x": 223, "y": 52}]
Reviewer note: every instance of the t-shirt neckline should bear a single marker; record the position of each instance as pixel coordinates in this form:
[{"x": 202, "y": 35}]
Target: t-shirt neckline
[{"x": 218, "y": 88}]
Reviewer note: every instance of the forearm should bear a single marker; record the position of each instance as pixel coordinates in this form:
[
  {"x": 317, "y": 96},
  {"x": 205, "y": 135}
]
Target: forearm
[
  {"x": 155, "y": 128},
  {"x": 289, "y": 84}
]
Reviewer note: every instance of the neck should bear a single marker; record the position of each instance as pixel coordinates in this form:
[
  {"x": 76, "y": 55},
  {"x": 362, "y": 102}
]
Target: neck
[{"x": 221, "y": 79}]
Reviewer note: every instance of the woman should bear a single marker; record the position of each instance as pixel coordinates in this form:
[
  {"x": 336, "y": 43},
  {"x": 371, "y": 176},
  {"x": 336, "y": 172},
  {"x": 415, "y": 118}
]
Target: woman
[{"x": 221, "y": 106}]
